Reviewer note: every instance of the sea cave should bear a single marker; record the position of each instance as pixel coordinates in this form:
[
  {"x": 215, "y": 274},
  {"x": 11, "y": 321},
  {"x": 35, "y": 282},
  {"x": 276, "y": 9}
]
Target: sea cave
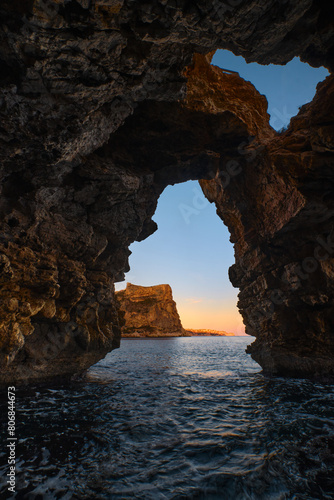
[{"x": 103, "y": 105}]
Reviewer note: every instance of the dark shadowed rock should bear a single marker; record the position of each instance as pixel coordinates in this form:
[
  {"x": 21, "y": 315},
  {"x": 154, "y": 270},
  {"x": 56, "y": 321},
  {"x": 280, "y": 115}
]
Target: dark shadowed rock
[{"x": 103, "y": 104}]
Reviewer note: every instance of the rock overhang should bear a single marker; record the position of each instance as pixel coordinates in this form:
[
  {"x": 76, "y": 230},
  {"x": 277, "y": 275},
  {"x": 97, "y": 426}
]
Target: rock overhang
[{"x": 96, "y": 122}]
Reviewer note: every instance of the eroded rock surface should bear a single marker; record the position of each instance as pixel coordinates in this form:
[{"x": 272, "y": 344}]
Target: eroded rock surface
[
  {"x": 102, "y": 106},
  {"x": 149, "y": 311},
  {"x": 282, "y": 227}
]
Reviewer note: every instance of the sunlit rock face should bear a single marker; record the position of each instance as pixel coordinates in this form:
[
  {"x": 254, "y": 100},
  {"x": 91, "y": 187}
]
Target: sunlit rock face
[
  {"x": 102, "y": 106},
  {"x": 279, "y": 210},
  {"x": 149, "y": 311}
]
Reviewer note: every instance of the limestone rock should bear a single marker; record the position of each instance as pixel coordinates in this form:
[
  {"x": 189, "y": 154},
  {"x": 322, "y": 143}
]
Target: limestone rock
[
  {"x": 282, "y": 229},
  {"x": 149, "y": 311},
  {"x": 102, "y": 105}
]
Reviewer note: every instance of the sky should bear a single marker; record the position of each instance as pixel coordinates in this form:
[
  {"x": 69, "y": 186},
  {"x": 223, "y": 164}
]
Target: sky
[{"x": 192, "y": 253}]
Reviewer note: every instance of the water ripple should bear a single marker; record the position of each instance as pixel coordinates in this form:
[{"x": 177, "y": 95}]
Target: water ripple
[{"x": 188, "y": 418}]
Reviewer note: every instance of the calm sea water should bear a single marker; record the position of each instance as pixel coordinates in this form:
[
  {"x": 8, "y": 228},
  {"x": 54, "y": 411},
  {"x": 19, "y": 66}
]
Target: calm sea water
[{"x": 177, "y": 418}]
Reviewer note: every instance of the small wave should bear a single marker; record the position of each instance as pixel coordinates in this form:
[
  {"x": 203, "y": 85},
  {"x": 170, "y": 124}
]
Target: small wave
[
  {"x": 175, "y": 421},
  {"x": 208, "y": 374}
]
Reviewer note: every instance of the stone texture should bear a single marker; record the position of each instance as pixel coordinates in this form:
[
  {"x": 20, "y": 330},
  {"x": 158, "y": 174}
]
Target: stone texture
[
  {"x": 279, "y": 210},
  {"x": 149, "y": 311},
  {"x": 102, "y": 106}
]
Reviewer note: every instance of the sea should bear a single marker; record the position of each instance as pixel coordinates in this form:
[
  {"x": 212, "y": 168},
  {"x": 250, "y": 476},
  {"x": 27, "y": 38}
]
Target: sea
[{"x": 174, "y": 418}]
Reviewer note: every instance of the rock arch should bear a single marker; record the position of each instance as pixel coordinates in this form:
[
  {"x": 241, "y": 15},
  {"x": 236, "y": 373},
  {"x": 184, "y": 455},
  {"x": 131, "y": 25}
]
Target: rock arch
[{"x": 103, "y": 106}]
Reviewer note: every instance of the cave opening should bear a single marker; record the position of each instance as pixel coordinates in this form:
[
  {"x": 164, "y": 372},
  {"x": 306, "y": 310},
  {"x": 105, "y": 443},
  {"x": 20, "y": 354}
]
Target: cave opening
[
  {"x": 204, "y": 124},
  {"x": 191, "y": 252},
  {"x": 287, "y": 88}
]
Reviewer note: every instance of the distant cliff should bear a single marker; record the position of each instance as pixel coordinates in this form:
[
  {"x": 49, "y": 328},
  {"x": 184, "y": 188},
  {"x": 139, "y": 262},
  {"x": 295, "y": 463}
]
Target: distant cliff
[
  {"x": 208, "y": 333},
  {"x": 149, "y": 311}
]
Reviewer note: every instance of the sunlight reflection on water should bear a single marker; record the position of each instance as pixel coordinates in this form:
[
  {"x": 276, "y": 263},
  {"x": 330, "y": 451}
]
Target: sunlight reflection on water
[
  {"x": 208, "y": 374},
  {"x": 187, "y": 418}
]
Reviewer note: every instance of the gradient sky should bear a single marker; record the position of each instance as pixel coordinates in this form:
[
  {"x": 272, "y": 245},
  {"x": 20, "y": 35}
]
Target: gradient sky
[{"x": 193, "y": 253}]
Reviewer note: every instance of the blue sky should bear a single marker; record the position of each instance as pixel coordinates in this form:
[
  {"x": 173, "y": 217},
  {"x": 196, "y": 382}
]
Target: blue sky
[
  {"x": 286, "y": 87},
  {"x": 193, "y": 253}
]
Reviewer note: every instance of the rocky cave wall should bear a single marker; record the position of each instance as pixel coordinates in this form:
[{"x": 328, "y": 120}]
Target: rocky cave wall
[{"x": 103, "y": 104}]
